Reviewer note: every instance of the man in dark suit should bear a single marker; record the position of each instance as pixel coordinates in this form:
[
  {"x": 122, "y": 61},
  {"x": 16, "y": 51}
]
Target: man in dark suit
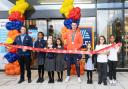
[{"x": 25, "y": 55}]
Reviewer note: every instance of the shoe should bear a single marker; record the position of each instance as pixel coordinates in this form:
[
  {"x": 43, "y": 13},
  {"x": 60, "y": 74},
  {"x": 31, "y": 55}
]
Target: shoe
[
  {"x": 90, "y": 81},
  {"x": 99, "y": 82},
  {"x": 110, "y": 81},
  {"x": 114, "y": 81},
  {"x": 87, "y": 81},
  {"x": 105, "y": 82},
  {"x": 39, "y": 79},
  {"x": 42, "y": 80},
  {"x": 59, "y": 80},
  {"x": 20, "y": 81},
  {"x": 29, "y": 80},
  {"x": 50, "y": 81},
  {"x": 67, "y": 79},
  {"x": 79, "y": 80}
]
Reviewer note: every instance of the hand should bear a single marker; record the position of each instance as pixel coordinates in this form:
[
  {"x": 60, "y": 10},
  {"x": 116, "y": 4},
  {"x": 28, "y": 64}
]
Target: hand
[{"x": 24, "y": 50}]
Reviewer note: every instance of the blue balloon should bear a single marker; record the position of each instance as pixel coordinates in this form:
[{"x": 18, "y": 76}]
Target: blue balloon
[
  {"x": 11, "y": 57},
  {"x": 14, "y": 25},
  {"x": 68, "y": 23}
]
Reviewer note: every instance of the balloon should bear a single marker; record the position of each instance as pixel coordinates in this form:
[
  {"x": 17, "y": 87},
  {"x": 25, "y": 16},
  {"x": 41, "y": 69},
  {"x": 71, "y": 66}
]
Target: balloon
[
  {"x": 75, "y": 13},
  {"x": 11, "y": 57},
  {"x": 9, "y": 41},
  {"x": 13, "y": 34},
  {"x": 21, "y": 6},
  {"x": 14, "y": 25},
  {"x": 16, "y": 15},
  {"x": 67, "y": 5},
  {"x": 68, "y": 23}
]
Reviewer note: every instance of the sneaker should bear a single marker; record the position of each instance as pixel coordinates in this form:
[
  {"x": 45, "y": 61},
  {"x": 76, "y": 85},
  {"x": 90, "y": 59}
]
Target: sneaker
[
  {"x": 114, "y": 81},
  {"x": 67, "y": 79},
  {"x": 79, "y": 80},
  {"x": 110, "y": 81}
]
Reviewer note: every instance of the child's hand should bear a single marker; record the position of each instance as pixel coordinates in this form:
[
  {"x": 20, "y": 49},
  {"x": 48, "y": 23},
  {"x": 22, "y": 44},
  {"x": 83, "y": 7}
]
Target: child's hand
[{"x": 24, "y": 50}]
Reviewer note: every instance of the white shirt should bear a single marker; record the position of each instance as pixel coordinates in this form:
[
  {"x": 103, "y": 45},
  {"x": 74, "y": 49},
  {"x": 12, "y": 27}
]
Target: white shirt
[
  {"x": 101, "y": 57},
  {"x": 113, "y": 54}
]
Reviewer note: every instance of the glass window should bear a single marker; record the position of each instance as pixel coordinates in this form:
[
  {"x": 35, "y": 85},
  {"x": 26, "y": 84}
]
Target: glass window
[
  {"x": 111, "y": 22},
  {"x": 126, "y": 37}
]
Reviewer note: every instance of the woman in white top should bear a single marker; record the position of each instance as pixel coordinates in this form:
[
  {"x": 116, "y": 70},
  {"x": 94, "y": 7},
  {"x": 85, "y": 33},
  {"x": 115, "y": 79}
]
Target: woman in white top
[
  {"x": 112, "y": 60},
  {"x": 102, "y": 61}
]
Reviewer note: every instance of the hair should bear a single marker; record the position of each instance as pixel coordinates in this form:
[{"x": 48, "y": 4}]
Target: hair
[
  {"x": 41, "y": 33},
  {"x": 104, "y": 40},
  {"x": 26, "y": 29},
  {"x": 111, "y": 36},
  {"x": 47, "y": 42},
  {"x": 61, "y": 43}
]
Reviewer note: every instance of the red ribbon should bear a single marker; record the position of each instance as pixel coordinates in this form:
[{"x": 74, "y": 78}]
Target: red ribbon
[{"x": 58, "y": 50}]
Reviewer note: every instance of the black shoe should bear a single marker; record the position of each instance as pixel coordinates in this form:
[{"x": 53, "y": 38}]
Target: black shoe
[
  {"x": 91, "y": 81},
  {"x": 105, "y": 82},
  {"x": 42, "y": 80},
  {"x": 50, "y": 81},
  {"x": 59, "y": 80},
  {"x": 87, "y": 81},
  {"x": 99, "y": 82},
  {"x": 29, "y": 80},
  {"x": 39, "y": 79},
  {"x": 20, "y": 81}
]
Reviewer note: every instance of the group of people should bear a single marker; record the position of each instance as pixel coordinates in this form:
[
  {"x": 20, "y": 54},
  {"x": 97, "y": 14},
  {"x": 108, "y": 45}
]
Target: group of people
[{"x": 52, "y": 62}]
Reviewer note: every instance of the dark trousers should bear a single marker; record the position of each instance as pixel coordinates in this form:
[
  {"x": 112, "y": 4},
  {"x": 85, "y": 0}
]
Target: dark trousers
[
  {"x": 72, "y": 59},
  {"x": 41, "y": 71},
  {"x": 25, "y": 61},
  {"x": 102, "y": 72},
  {"x": 89, "y": 74},
  {"x": 112, "y": 69}
]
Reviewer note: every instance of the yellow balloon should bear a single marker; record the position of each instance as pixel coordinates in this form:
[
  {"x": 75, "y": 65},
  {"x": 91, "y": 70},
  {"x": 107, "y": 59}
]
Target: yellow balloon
[
  {"x": 21, "y": 6},
  {"x": 9, "y": 41}
]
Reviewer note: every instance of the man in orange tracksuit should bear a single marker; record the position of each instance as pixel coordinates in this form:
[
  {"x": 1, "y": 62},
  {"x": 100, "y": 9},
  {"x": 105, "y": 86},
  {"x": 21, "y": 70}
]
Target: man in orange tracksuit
[{"x": 73, "y": 41}]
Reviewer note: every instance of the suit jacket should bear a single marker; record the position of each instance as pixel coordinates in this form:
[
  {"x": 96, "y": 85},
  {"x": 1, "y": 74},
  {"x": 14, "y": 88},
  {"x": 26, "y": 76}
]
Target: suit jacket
[{"x": 27, "y": 41}]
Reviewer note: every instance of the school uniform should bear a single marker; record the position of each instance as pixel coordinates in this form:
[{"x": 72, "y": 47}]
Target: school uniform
[
  {"x": 25, "y": 56},
  {"x": 60, "y": 63},
  {"x": 50, "y": 60},
  {"x": 112, "y": 62},
  {"x": 40, "y": 43},
  {"x": 102, "y": 65},
  {"x": 89, "y": 67}
]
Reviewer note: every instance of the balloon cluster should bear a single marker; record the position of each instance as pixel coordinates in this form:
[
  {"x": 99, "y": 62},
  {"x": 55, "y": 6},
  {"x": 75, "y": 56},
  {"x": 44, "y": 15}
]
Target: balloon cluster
[
  {"x": 12, "y": 68},
  {"x": 71, "y": 13},
  {"x": 11, "y": 57},
  {"x": 67, "y": 5},
  {"x": 21, "y": 6},
  {"x": 16, "y": 21}
]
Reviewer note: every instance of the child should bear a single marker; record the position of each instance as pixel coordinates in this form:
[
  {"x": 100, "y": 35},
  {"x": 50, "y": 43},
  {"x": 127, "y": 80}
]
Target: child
[
  {"x": 112, "y": 60},
  {"x": 102, "y": 61},
  {"x": 59, "y": 60},
  {"x": 89, "y": 64},
  {"x": 40, "y": 43},
  {"x": 50, "y": 61}
]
